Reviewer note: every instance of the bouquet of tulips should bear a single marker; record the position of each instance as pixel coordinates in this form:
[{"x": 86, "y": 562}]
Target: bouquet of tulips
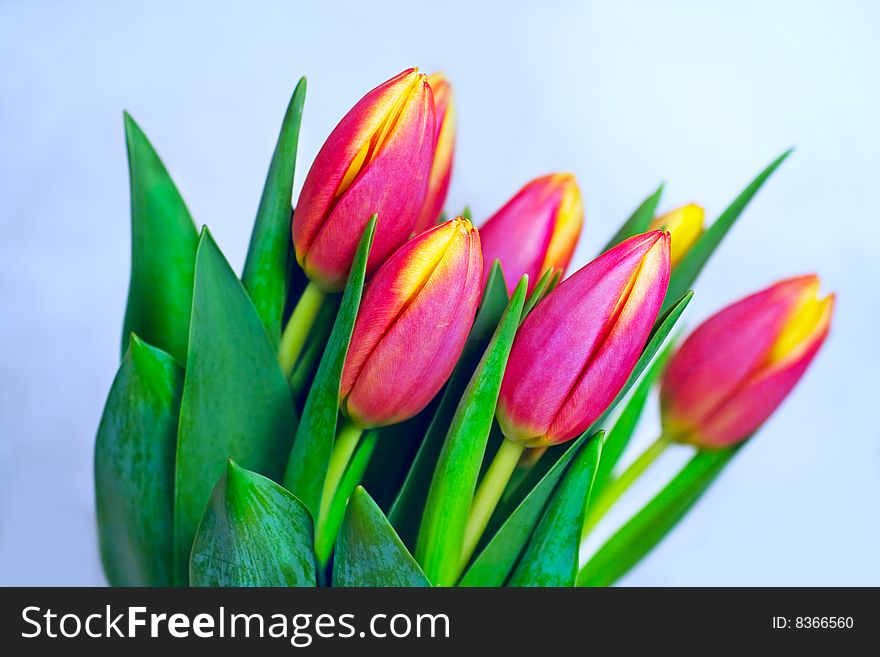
[{"x": 387, "y": 397}]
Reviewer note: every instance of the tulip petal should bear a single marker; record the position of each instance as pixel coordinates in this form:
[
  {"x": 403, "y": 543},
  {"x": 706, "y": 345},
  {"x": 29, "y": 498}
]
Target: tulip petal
[{"x": 723, "y": 352}]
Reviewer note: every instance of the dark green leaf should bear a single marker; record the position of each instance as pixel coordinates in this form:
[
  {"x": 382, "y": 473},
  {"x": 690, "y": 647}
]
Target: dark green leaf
[
  {"x": 624, "y": 427},
  {"x": 648, "y": 527},
  {"x": 236, "y": 402},
  {"x": 406, "y": 512},
  {"x": 253, "y": 533},
  {"x": 494, "y": 563},
  {"x": 304, "y": 370},
  {"x": 369, "y": 552},
  {"x": 439, "y": 545},
  {"x": 551, "y": 557},
  {"x": 267, "y": 268},
  {"x": 638, "y": 221},
  {"x": 685, "y": 273},
  {"x": 134, "y": 468},
  {"x": 307, "y": 465},
  {"x": 163, "y": 252}
]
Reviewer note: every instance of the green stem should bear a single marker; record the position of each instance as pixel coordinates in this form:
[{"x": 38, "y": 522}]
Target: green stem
[
  {"x": 488, "y": 493},
  {"x": 297, "y": 329},
  {"x": 343, "y": 449},
  {"x": 612, "y": 491}
]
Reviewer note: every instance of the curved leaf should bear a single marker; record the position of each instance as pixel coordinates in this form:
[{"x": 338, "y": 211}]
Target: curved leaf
[
  {"x": 267, "y": 267},
  {"x": 163, "y": 251},
  {"x": 494, "y": 562},
  {"x": 369, "y": 552},
  {"x": 638, "y": 221},
  {"x": 307, "y": 465},
  {"x": 134, "y": 468},
  {"x": 441, "y": 534},
  {"x": 236, "y": 402},
  {"x": 551, "y": 557},
  {"x": 625, "y": 424},
  {"x": 685, "y": 273},
  {"x": 253, "y": 533},
  {"x": 648, "y": 527},
  {"x": 406, "y": 511}
]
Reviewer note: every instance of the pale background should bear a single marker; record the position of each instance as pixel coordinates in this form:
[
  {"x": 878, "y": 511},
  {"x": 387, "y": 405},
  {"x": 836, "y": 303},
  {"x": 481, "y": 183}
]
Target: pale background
[{"x": 624, "y": 94}]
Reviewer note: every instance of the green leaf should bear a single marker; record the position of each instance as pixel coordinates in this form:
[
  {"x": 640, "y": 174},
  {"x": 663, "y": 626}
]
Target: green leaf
[
  {"x": 539, "y": 292},
  {"x": 624, "y": 427},
  {"x": 466, "y": 213},
  {"x": 406, "y": 511},
  {"x": 163, "y": 252},
  {"x": 441, "y": 534},
  {"x": 688, "y": 269},
  {"x": 304, "y": 369},
  {"x": 638, "y": 221},
  {"x": 494, "y": 563},
  {"x": 307, "y": 465},
  {"x": 369, "y": 552},
  {"x": 253, "y": 533},
  {"x": 134, "y": 468},
  {"x": 267, "y": 267},
  {"x": 236, "y": 402},
  {"x": 551, "y": 557},
  {"x": 648, "y": 527}
]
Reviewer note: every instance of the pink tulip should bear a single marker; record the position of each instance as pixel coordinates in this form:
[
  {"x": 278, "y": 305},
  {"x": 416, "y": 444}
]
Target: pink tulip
[
  {"x": 536, "y": 230},
  {"x": 376, "y": 161},
  {"x": 576, "y": 349},
  {"x": 441, "y": 168},
  {"x": 735, "y": 369},
  {"x": 412, "y": 325}
]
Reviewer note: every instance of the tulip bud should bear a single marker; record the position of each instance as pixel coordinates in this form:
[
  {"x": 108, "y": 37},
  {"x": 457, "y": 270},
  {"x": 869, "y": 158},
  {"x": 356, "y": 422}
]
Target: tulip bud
[
  {"x": 576, "y": 349},
  {"x": 441, "y": 168},
  {"x": 737, "y": 367},
  {"x": 685, "y": 225},
  {"x": 536, "y": 230},
  {"x": 376, "y": 161},
  {"x": 412, "y": 325}
]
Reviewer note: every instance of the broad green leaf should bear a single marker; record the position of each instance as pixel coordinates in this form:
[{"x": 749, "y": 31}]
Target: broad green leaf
[
  {"x": 369, "y": 552},
  {"x": 625, "y": 424},
  {"x": 648, "y": 527},
  {"x": 307, "y": 465},
  {"x": 267, "y": 267},
  {"x": 406, "y": 511},
  {"x": 638, "y": 221},
  {"x": 441, "y": 534},
  {"x": 688, "y": 269},
  {"x": 253, "y": 533},
  {"x": 236, "y": 402},
  {"x": 551, "y": 557},
  {"x": 134, "y": 468},
  {"x": 495, "y": 561},
  {"x": 163, "y": 252},
  {"x": 662, "y": 327}
]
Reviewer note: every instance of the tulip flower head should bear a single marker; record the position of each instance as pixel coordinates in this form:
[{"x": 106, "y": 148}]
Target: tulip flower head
[
  {"x": 536, "y": 230},
  {"x": 735, "y": 369},
  {"x": 376, "y": 161},
  {"x": 441, "y": 167},
  {"x": 412, "y": 325},
  {"x": 576, "y": 349},
  {"x": 685, "y": 225}
]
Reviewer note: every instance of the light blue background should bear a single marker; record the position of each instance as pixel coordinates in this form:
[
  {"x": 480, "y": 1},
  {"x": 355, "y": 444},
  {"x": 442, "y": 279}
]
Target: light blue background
[{"x": 625, "y": 94}]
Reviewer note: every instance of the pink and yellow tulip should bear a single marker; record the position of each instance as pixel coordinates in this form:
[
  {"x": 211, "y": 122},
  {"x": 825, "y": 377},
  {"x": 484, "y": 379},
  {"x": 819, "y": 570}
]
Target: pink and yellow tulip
[
  {"x": 684, "y": 225},
  {"x": 536, "y": 230},
  {"x": 736, "y": 368},
  {"x": 376, "y": 161},
  {"x": 412, "y": 325},
  {"x": 576, "y": 349},
  {"x": 441, "y": 167}
]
